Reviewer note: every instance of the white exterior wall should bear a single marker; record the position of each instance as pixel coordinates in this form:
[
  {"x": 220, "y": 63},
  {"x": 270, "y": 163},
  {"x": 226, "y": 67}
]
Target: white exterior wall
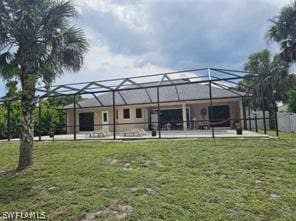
[{"x": 133, "y": 122}]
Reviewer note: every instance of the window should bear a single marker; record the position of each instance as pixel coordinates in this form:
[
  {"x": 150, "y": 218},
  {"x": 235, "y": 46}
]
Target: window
[
  {"x": 105, "y": 116},
  {"x": 126, "y": 113},
  {"x": 116, "y": 114},
  {"x": 138, "y": 113}
]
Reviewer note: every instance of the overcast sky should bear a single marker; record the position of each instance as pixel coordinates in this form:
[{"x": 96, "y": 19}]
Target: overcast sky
[{"x": 136, "y": 37}]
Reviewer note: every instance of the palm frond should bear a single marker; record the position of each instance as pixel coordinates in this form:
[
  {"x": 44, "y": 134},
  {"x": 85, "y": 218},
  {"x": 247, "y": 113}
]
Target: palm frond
[
  {"x": 43, "y": 41},
  {"x": 69, "y": 53},
  {"x": 283, "y": 31},
  {"x": 56, "y": 17},
  {"x": 8, "y": 67}
]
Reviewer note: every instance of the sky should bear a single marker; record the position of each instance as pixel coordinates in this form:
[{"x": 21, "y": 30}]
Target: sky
[{"x": 141, "y": 37}]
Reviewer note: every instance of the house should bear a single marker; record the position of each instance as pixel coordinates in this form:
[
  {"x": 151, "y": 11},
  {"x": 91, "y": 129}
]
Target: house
[{"x": 182, "y": 107}]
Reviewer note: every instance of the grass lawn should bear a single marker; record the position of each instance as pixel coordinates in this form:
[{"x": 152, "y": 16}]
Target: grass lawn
[{"x": 222, "y": 179}]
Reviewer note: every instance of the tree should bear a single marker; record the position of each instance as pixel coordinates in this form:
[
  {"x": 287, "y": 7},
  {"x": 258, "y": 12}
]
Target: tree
[
  {"x": 14, "y": 120},
  {"x": 292, "y": 100},
  {"x": 271, "y": 82},
  {"x": 283, "y": 31},
  {"x": 52, "y": 118},
  {"x": 37, "y": 42},
  {"x": 3, "y": 122},
  {"x": 263, "y": 65},
  {"x": 11, "y": 111}
]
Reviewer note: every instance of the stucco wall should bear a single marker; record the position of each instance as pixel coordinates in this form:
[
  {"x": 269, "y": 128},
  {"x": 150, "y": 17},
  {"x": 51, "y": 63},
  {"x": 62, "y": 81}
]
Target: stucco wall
[
  {"x": 133, "y": 122},
  {"x": 97, "y": 118},
  {"x": 234, "y": 108}
]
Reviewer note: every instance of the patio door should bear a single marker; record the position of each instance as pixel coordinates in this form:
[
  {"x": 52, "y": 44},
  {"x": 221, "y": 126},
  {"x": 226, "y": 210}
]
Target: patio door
[
  {"x": 171, "y": 119},
  {"x": 220, "y": 115},
  {"x": 86, "y": 121},
  {"x": 105, "y": 120}
]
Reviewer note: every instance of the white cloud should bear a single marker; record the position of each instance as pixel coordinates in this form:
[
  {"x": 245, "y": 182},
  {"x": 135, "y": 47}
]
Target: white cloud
[
  {"x": 165, "y": 34},
  {"x": 132, "y": 13},
  {"x": 278, "y": 3},
  {"x": 137, "y": 37},
  {"x": 101, "y": 63}
]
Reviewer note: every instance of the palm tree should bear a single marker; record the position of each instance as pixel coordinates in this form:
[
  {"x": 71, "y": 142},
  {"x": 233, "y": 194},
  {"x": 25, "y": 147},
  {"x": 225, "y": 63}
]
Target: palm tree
[
  {"x": 283, "y": 31},
  {"x": 38, "y": 41},
  {"x": 271, "y": 83}
]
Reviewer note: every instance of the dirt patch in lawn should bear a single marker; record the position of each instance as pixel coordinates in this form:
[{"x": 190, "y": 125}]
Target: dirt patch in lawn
[
  {"x": 149, "y": 163},
  {"x": 127, "y": 166},
  {"x": 113, "y": 161},
  {"x": 143, "y": 190},
  {"x": 117, "y": 210},
  {"x": 138, "y": 162}
]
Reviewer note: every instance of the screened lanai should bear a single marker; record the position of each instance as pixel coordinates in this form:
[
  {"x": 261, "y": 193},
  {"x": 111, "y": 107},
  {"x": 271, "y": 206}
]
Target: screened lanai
[{"x": 204, "y": 102}]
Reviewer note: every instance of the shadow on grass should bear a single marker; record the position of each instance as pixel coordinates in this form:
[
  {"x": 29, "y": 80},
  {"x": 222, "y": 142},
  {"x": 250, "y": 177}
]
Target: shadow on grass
[
  {"x": 16, "y": 185},
  {"x": 14, "y": 189},
  {"x": 17, "y": 172},
  {"x": 9, "y": 173}
]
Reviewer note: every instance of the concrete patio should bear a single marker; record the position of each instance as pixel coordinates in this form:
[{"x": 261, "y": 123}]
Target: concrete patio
[{"x": 164, "y": 134}]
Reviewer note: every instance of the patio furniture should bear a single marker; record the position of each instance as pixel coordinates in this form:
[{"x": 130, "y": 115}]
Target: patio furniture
[
  {"x": 204, "y": 125},
  {"x": 135, "y": 132},
  {"x": 99, "y": 134}
]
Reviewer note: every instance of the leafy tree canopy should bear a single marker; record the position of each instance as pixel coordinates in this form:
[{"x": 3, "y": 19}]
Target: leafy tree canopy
[
  {"x": 263, "y": 65},
  {"x": 37, "y": 37},
  {"x": 292, "y": 100},
  {"x": 283, "y": 31}
]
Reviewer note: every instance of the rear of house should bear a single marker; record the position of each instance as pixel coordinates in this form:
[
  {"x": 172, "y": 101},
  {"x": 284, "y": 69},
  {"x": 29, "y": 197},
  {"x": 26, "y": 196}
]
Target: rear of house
[{"x": 181, "y": 107}]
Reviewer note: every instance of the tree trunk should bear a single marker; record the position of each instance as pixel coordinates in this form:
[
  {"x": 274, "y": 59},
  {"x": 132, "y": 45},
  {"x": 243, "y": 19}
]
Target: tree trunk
[{"x": 28, "y": 103}]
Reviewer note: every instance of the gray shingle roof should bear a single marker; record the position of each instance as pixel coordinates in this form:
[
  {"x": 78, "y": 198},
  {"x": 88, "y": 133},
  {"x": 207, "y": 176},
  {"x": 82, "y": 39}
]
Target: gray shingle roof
[{"x": 167, "y": 94}]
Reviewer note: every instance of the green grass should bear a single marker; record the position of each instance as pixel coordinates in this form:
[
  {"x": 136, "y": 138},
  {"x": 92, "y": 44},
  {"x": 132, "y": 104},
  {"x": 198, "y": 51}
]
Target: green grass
[{"x": 222, "y": 179}]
